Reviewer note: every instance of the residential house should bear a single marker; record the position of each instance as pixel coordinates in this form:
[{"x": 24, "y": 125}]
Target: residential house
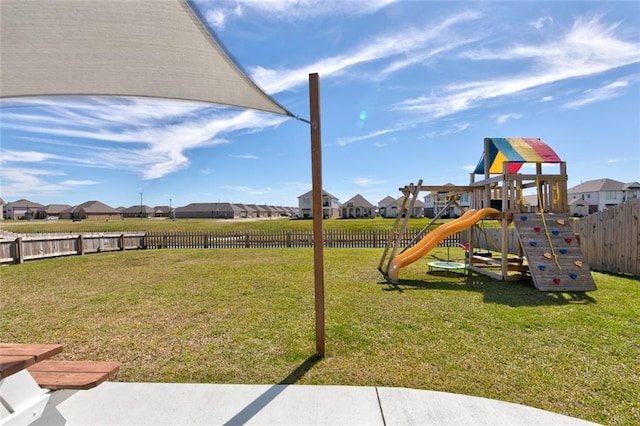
[
  {"x": 440, "y": 203},
  {"x": 600, "y": 194},
  {"x": 208, "y": 211},
  {"x": 139, "y": 211},
  {"x": 259, "y": 211},
  {"x": 54, "y": 210},
  {"x": 357, "y": 207},
  {"x": 389, "y": 207},
  {"x": 1, "y": 209},
  {"x": 90, "y": 209},
  {"x": 386, "y": 203},
  {"x": 24, "y": 209},
  {"x": 291, "y": 212},
  {"x": 246, "y": 212},
  {"x": 162, "y": 211},
  {"x": 330, "y": 205}
]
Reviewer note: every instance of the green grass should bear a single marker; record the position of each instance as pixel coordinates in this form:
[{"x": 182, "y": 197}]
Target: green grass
[
  {"x": 136, "y": 224},
  {"x": 247, "y": 316}
]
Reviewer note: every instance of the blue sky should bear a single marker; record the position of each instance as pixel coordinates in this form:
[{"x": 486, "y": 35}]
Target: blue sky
[{"x": 409, "y": 89}]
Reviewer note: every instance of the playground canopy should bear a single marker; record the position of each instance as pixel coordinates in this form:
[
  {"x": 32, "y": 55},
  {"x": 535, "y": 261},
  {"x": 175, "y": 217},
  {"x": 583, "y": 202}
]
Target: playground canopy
[
  {"x": 516, "y": 151},
  {"x": 143, "y": 48}
]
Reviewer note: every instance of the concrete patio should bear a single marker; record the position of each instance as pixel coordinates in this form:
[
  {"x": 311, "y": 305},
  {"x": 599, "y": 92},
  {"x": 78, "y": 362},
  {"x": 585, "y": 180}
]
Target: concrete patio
[{"x": 114, "y": 403}]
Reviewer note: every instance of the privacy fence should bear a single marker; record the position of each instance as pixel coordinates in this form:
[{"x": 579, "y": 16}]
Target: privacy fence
[
  {"x": 610, "y": 240},
  {"x": 17, "y": 248}
]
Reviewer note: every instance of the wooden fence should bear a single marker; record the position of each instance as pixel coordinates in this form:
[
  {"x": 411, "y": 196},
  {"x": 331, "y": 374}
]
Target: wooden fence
[
  {"x": 270, "y": 239},
  {"x": 610, "y": 240},
  {"x": 40, "y": 246},
  {"x": 18, "y": 248}
]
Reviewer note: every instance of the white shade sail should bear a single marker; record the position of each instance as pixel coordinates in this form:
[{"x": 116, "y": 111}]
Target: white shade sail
[{"x": 150, "y": 48}]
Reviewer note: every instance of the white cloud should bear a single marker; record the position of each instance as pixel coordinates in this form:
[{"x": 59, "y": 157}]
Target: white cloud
[
  {"x": 609, "y": 91},
  {"x": 403, "y": 47},
  {"x": 149, "y": 137},
  {"x": 342, "y": 141},
  {"x": 541, "y": 22},
  {"x": 363, "y": 181},
  {"x": 26, "y": 182},
  {"x": 288, "y": 10},
  {"x": 79, "y": 182},
  {"x": 547, "y": 98},
  {"x": 245, "y": 157},
  {"x": 588, "y": 48},
  {"x": 453, "y": 129},
  {"x": 501, "y": 119},
  {"x": 24, "y": 156}
]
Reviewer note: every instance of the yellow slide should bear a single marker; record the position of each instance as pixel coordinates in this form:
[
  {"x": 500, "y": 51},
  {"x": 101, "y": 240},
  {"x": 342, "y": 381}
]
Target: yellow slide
[{"x": 429, "y": 241}]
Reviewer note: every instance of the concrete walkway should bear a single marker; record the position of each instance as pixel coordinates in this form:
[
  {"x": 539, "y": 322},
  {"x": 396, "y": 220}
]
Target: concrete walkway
[{"x": 114, "y": 403}]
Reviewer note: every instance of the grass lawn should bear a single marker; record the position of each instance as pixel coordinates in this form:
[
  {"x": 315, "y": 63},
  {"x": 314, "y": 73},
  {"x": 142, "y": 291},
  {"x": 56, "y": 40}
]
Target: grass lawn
[
  {"x": 247, "y": 316},
  {"x": 163, "y": 224}
]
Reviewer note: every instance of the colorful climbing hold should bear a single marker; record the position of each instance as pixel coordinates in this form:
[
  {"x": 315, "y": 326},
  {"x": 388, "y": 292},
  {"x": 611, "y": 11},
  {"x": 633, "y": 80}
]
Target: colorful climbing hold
[
  {"x": 578, "y": 263},
  {"x": 542, "y": 267},
  {"x": 573, "y": 276},
  {"x": 533, "y": 243},
  {"x": 563, "y": 251},
  {"x": 560, "y": 221},
  {"x": 568, "y": 240},
  {"x": 524, "y": 217},
  {"x": 556, "y": 280},
  {"x": 555, "y": 232},
  {"x": 536, "y": 228},
  {"x": 547, "y": 255}
]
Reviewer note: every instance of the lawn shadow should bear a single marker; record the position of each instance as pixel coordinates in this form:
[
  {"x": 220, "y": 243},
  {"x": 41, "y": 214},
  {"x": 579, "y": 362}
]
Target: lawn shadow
[
  {"x": 301, "y": 370},
  {"x": 510, "y": 293},
  {"x": 253, "y": 408}
]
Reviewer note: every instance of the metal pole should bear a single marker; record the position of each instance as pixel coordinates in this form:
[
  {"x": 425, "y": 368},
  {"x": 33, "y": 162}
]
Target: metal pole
[{"x": 316, "y": 188}]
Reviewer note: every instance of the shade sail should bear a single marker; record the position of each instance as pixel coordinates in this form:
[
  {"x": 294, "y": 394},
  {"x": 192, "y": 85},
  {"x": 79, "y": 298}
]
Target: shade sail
[
  {"x": 145, "y": 48},
  {"x": 516, "y": 151}
]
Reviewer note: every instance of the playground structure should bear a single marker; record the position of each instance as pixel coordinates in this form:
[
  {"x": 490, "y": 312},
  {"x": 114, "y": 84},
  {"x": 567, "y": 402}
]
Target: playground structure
[{"x": 549, "y": 251}]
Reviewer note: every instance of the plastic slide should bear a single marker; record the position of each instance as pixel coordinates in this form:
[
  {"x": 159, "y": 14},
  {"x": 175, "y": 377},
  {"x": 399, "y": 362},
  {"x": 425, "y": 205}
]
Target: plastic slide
[{"x": 429, "y": 241}]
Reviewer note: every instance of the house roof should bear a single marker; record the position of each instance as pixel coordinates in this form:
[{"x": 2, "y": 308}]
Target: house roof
[
  {"x": 626, "y": 187},
  {"x": 209, "y": 207},
  {"x": 517, "y": 151},
  {"x": 93, "y": 207},
  {"x": 578, "y": 201},
  {"x": 245, "y": 207},
  {"x": 257, "y": 207},
  {"x": 23, "y": 203},
  {"x": 386, "y": 201},
  {"x": 324, "y": 194},
  {"x": 597, "y": 186},
  {"x": 136, "y": 209},
  {"x": 358, "y": 201},
  {"x": 56, "y": 208}
]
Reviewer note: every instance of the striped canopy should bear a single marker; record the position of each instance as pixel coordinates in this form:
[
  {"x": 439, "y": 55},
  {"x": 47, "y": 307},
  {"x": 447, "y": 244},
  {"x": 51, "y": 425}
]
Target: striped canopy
[{"x": 516, "y": 151}]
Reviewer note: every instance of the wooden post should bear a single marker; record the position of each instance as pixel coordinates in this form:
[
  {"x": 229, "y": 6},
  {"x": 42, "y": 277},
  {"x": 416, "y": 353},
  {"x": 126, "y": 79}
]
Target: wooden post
[
  {"x": 19, "y": 250},
  {"x": 80, "y": 244},
  {"x": 504, "y": 264},
  {"x": 122, "y": 241},
  {"x": 316, "y": 188},
  {"x": 487, "y": 173}
]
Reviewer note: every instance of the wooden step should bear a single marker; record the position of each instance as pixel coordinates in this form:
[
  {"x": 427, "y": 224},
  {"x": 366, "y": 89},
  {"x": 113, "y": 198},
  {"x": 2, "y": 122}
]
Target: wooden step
[{"x": 56, "y": 375}]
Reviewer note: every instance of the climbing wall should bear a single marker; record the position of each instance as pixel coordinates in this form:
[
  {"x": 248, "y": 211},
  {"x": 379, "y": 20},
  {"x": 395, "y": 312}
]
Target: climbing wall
[{"x": 553, "y": 253}]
